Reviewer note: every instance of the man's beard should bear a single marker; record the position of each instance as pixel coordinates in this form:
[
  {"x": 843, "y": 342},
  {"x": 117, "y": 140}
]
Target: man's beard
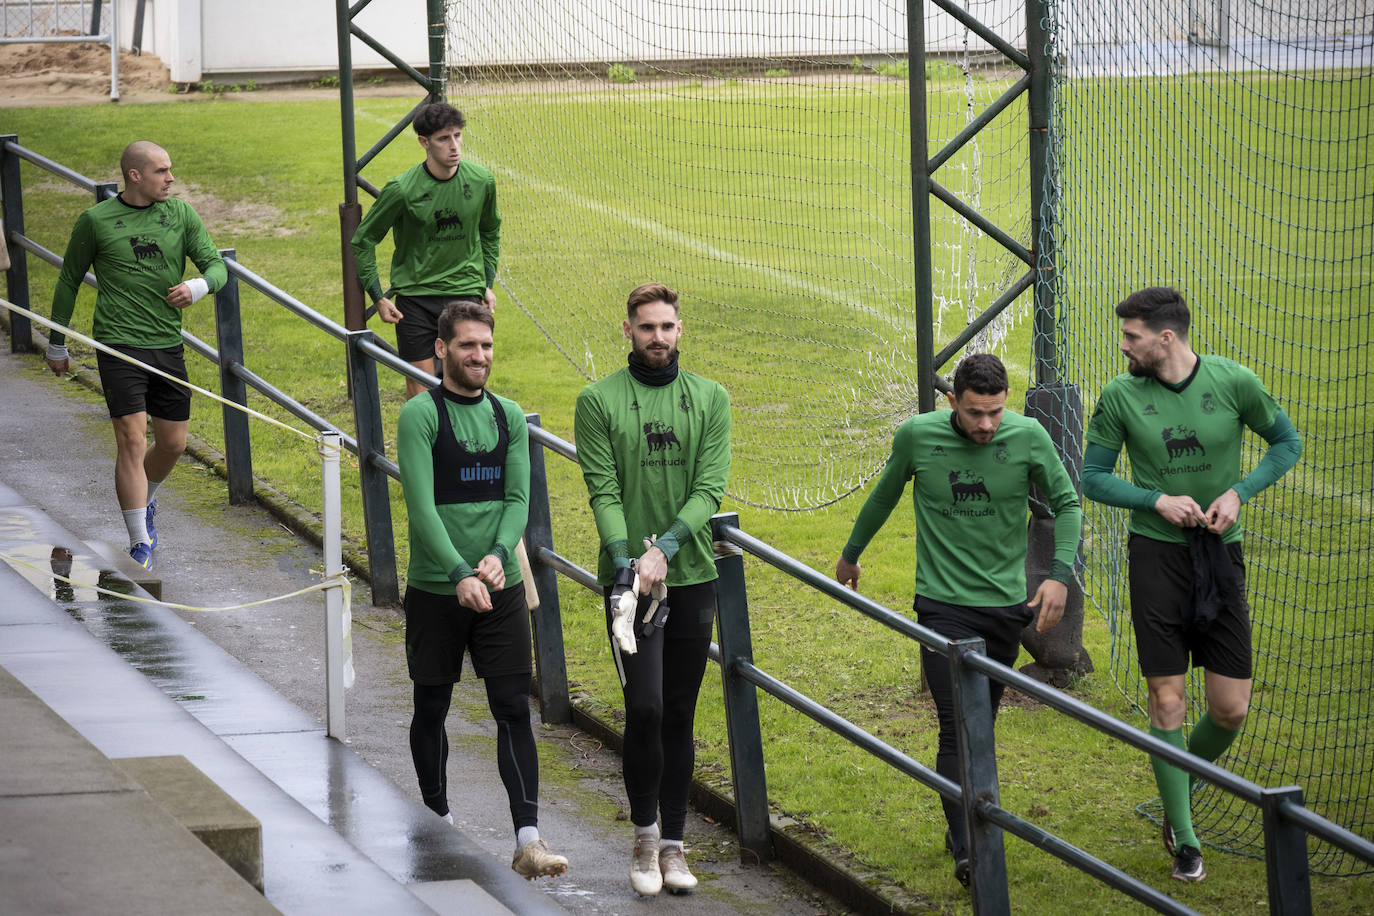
[{"x": 656, "y": 360}]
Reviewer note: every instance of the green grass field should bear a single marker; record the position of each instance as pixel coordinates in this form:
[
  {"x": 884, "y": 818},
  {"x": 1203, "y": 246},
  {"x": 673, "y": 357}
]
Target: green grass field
[{"x": 577, "y": 235}]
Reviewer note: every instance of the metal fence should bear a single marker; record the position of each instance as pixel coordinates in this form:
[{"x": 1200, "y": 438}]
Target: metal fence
[{"x": 1287, "y": 823}]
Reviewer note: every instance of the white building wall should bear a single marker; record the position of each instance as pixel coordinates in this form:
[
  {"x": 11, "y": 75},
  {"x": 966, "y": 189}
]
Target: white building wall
[{"x": 261, "y": 38}]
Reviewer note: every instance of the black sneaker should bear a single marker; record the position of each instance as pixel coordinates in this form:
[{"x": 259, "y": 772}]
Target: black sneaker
[
  {"x": 1188, "y": 865},
  {"x": 961, "y": 863},
  {"x": 1170, "y": 841}
]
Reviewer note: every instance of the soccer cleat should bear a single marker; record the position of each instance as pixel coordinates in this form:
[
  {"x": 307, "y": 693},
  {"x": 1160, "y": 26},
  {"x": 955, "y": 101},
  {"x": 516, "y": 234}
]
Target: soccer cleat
[
  {"x": 152, "y": 529},
  {"x": 677, "y": 877},
  {"x": 645, "y": 877},
  {"x": 1188, "y": 865},
  {"x": 142, "y": 554},
  {"x": 534, "y": 860},
  {"x": 1170, "y": 841}
]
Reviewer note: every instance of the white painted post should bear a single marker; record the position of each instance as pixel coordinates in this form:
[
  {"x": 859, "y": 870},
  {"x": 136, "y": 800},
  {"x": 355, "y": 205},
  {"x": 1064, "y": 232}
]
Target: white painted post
[{"x": 338, "y": 663}]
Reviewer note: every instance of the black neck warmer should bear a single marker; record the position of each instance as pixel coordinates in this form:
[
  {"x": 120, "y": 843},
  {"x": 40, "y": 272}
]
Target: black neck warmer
[{"x": 647, "y": 375}]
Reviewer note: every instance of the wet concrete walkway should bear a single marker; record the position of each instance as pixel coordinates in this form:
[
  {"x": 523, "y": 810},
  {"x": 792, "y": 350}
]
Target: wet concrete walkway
[{"x": 252, "y": 681}]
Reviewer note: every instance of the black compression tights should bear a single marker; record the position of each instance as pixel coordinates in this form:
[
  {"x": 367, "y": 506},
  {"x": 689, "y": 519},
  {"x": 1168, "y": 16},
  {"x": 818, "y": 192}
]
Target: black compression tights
[
  {"x": 662, "y": 682},
  {"x": 516, "y": 759}
]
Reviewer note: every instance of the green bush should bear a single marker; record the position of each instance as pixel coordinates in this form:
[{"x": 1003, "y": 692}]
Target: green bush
[{"x": 621, "y": 73}]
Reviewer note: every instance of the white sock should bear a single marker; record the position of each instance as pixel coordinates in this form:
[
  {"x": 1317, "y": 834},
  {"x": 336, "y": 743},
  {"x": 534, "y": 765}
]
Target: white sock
[
  {"x": 665, "y": 844},
  {"x": 448, "y": 817},
  {"x": 525, "y": 836},
  {"x": 152, "y": 489},
  {"x": 650, "y": 832},
  {"x": 136, "y": 520}
]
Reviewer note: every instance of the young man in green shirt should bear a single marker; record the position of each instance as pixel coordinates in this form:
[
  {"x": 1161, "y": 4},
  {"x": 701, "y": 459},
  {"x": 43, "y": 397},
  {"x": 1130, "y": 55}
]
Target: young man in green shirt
[
  {"x": 1181, "y": 417},
  {"x": 447, "y": 232},
  {"x": 138, "y": 242},
  {"x": 654, "y": 445},
  {"x": 973, "y": 468},
  {"x": 465, "y": 472}
]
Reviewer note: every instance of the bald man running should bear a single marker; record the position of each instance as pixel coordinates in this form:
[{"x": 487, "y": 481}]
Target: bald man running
[{"x": 138, "y": 242}]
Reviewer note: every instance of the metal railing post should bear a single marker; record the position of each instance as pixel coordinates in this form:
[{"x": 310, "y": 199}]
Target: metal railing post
[
  {"x": 741, "y": 697},
  {"x": 105, "y": 189},
  {"x": 238, "y": 447},
  {"x": 978, "y": 779},
  {"x": 376, "y": 489},
  {"x": 550, "y": 663},
  {"x": 17, "y": 277},
  {"x": 1285, "y": 854}
]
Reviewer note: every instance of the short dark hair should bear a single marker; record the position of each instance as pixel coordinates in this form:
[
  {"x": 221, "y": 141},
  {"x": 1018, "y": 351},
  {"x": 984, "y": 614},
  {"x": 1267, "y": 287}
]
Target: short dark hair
[
  {"x": 1158, "y": 308},
  {"x": 645, "y": 293},
  {"x": 436, "y": 116},
  {"x": 981, "y": 373},
  {"x": 460, "y": 310}
]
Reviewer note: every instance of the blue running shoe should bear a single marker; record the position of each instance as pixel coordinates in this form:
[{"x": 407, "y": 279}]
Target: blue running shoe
[
  {"x": 142, "y": 554},
  {"x": 152, "y": 529}
]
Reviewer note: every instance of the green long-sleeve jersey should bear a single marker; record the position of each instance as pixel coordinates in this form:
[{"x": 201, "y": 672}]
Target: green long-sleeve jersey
[
  {"x": 139, "y": 254},
  {"x": 1182, "y": 440},
  {"x": 447, "y": 233},
  {"x": 971, "y": 504},
  {"x": 447, "y": 541},
  {"x": 656, "y": 461}
]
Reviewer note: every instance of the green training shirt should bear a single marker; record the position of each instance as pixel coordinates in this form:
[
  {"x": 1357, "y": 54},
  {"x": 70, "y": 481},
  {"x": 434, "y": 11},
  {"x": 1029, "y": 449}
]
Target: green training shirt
[
  {"x": 447, "y": 541},
  {"x": 971, "y": 504},
  {"x": 656, "y": 461},
  {"x": 1182, "y": 440},
  {"x": 447, "y": 233},
  {"x": 139, "y": 254}
]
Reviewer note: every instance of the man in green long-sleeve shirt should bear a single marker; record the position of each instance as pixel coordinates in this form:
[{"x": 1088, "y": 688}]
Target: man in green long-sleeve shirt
[
  {"x": 138, "y": 243},
  {"x": 972, "y": 468},
  {"x": 1181, "y": 418},
  {"x": 654, "y": 445},
  {"x": 465, "y": 472},
  {"x": 443, "y": 220}
]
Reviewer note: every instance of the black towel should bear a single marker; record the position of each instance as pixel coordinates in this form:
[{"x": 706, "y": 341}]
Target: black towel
[{"x": 1214, "y": 579}]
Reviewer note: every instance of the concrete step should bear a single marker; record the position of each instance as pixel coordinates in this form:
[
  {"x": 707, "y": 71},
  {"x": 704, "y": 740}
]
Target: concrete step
[
  {"x": 203, "y": 808},
  {"x": 117, "y": 556}
]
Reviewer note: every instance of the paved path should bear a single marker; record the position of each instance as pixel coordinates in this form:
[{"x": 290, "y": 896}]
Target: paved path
[{"x": 58, "y": 450}]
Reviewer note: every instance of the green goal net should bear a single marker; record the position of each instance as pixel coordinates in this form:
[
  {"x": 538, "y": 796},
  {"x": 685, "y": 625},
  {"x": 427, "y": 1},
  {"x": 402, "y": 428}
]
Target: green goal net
[
  {"x": 1225, "y": 148},
  {"x": 754, "y": 156}
]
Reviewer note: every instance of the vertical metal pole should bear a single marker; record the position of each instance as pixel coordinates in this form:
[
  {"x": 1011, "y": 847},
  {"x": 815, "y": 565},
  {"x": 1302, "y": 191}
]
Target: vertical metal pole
[
  {"x": 1285, "y": 854},
  {"x": 336, "y": 659},
  {"x": 137, "y": 44},
  {"x": 741, "y": 698},
  {"x": 978, "y": 778},
  {"x": 238, "y": 446},
  {"x": 550, "y": 663},
  {"x": 106, "y": 189},
  {"x": 114, "y": 48},
  {"x": 376, "y": 491},
  {"x": 17, "y": 277},
  {"x": 438, "y": 89},
  {"x": 1043, "y": 254},
  {"x": 350, "y": 214},
  {"x": 95, "y": 15},
  {"x": 920, "y": 206}
]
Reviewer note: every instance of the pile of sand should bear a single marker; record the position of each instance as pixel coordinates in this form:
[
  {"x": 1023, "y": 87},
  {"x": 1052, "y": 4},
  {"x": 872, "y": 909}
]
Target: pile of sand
[{"x": 66, "y": 74}]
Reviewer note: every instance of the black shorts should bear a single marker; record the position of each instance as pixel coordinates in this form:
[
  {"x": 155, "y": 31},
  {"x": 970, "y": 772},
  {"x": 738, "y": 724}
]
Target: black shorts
[
  {"x": 131, "y": 389},
  {"x": 419, "y": 325},
  {"x": 439, "y": 629},
  {"x": 1000, "y": 627},
  {"x": 1161, "y": 576}
]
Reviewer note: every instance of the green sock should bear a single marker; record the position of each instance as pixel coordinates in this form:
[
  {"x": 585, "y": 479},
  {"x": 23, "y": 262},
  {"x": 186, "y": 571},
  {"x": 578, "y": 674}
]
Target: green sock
[
  {"x": 1209, "y": 741},
  {"x": 1173, "y": 789}
]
